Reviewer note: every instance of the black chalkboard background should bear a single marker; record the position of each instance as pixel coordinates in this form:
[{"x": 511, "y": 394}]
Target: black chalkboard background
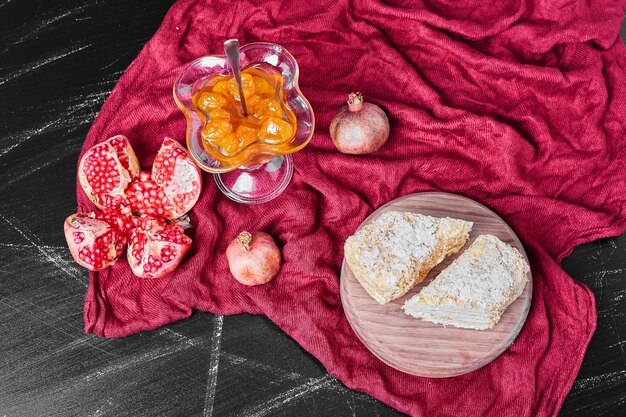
[{"x": 58, "y": 63}]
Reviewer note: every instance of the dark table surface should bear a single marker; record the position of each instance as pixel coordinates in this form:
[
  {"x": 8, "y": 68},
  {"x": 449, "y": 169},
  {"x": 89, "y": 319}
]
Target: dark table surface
[{"x": 58, "y": 63}]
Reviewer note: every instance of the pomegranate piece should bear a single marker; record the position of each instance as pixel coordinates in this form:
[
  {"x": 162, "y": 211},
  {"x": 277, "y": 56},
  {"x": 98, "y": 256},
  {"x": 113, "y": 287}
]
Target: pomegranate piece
[
  {"x": 94, "y": 242},
  {"x": 178, "y": 176},
  {"x": 106, "y": 170},
  {"x": 172, "y": 187},
  {"x": 156, "y": 248}
]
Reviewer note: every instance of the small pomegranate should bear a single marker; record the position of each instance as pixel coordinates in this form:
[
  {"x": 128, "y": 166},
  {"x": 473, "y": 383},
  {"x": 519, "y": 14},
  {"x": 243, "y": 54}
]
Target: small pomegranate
[
  {"x": 156, "y": 248},
  {"x": 359, "y": 127},
  {"x": 94, "y": 243},
  {"x": 253, "y": 258}
]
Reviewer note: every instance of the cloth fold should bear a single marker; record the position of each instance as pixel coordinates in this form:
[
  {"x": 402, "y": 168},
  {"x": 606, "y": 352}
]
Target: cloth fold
[{"x": 519, "y": 105}]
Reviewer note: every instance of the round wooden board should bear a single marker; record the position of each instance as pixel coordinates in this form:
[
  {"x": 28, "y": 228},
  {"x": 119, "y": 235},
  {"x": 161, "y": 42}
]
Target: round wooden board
[{"x": 419, "y": 347}]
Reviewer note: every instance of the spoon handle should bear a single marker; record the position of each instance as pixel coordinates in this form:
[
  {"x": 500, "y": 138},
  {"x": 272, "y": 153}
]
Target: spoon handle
[{"x": 231, "y": 47}]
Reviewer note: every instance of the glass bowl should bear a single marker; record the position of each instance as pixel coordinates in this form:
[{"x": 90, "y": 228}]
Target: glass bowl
[{"x": 267, "y": 166}]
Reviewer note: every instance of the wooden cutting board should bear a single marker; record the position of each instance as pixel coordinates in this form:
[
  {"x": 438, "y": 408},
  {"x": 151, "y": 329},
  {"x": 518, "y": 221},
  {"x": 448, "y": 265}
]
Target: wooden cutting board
[{"x": 419, "y": 347}]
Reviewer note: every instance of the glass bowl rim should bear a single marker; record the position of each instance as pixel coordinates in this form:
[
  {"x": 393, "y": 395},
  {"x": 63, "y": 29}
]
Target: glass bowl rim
[{"x": 296, "y": 75}]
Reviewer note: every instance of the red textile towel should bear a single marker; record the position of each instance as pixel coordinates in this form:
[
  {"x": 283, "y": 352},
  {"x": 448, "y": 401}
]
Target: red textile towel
[{"x": 518, "y": 104}]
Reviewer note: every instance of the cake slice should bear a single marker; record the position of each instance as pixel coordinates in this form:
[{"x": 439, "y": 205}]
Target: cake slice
[
  {"x": 475, "y": 289},
  {"x": 397, "y": 250}
]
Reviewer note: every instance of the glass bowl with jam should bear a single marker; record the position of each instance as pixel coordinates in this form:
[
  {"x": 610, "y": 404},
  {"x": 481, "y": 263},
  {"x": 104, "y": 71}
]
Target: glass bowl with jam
[{"x": 249, "y": 154}]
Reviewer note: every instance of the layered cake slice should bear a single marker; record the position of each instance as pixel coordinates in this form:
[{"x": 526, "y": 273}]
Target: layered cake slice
[
  {"x": 475, "y": 289},
  {"x": 397, "y": 250}
]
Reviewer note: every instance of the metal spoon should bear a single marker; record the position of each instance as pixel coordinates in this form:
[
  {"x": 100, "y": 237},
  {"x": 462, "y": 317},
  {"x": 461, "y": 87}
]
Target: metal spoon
[{"x": 231, "y": 47}]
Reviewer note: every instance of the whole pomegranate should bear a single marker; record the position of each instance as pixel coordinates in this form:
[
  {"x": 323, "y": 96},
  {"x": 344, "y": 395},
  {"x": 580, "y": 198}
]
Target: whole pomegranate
[
  {"x": 143, "y": 209},
  {"x": 359, "y": 127},
  {"x": 253, "y": 258}
]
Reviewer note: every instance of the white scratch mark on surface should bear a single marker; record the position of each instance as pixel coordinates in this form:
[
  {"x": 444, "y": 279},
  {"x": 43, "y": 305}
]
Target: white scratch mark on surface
[
  {"x": 32, "y": 171},
  {"x": 262, "y": 367},
  {"x": 41, "y": 25},
  {"x": 11, "y": 147},
  {"x": 29, "y": 311},
  {"x": 30, "y": 247},
  {"x": 179, "y": 337},
  {"x": 63, "y": 120},
  {"x": 611, "y": 317},
  {"x": 216, "y": 341},
  {"x": 17, "y": 140},
  {"x": 86, "y": 341},
  {"x": 36, "y": 168},
  {"x": 146, "y": 357},
  {"x": 616, "y": 297},
  {"x": 294, "y": 394},
  {"x": 602, "y": 274},
  {"x": 102, "y": 410},
  {"x": 46, "y": 356},
  {"x": 110, "y": 64},
  {"x": 351, "y": 405},
  {"x": 602, "y": 380},
  {"x": 50, "y": 255},
  {"x": 44, "y": 23},
  {"x": 334, "y": 385},
  {"x": 619, "y": 343},
  {"x": 38, "y": 64}
]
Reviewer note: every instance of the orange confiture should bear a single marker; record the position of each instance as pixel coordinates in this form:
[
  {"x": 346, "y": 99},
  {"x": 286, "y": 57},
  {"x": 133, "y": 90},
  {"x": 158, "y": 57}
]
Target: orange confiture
[{"x": 269, "y": 120}]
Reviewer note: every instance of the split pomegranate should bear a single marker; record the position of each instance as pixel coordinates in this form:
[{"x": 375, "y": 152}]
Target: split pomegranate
[
  {"x": 94, "y": 243},
  {"x": 156, "y": 248},
  {"x": 359, "y": 127},
  {"x": 105, "y": 171},
  {"x": 109, "y": 175},
  {"x": 253, "y": 258},
  {"x": 172, "y": 187}
]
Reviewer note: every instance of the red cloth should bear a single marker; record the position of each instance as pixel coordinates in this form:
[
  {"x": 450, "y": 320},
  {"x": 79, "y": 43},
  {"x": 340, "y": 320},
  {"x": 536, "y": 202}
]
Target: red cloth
[{"x": 518, "y": 104}]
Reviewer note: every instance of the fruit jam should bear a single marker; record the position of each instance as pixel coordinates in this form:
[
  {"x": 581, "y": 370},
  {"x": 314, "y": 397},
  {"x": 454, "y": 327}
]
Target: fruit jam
[{"x": 227, "y": 130}]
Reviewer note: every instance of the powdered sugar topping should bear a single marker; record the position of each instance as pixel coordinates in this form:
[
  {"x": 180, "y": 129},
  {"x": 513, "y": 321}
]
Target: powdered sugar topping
[
  {"x": 485, "y": 276},
  {"x": 396, "y": 239}
]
